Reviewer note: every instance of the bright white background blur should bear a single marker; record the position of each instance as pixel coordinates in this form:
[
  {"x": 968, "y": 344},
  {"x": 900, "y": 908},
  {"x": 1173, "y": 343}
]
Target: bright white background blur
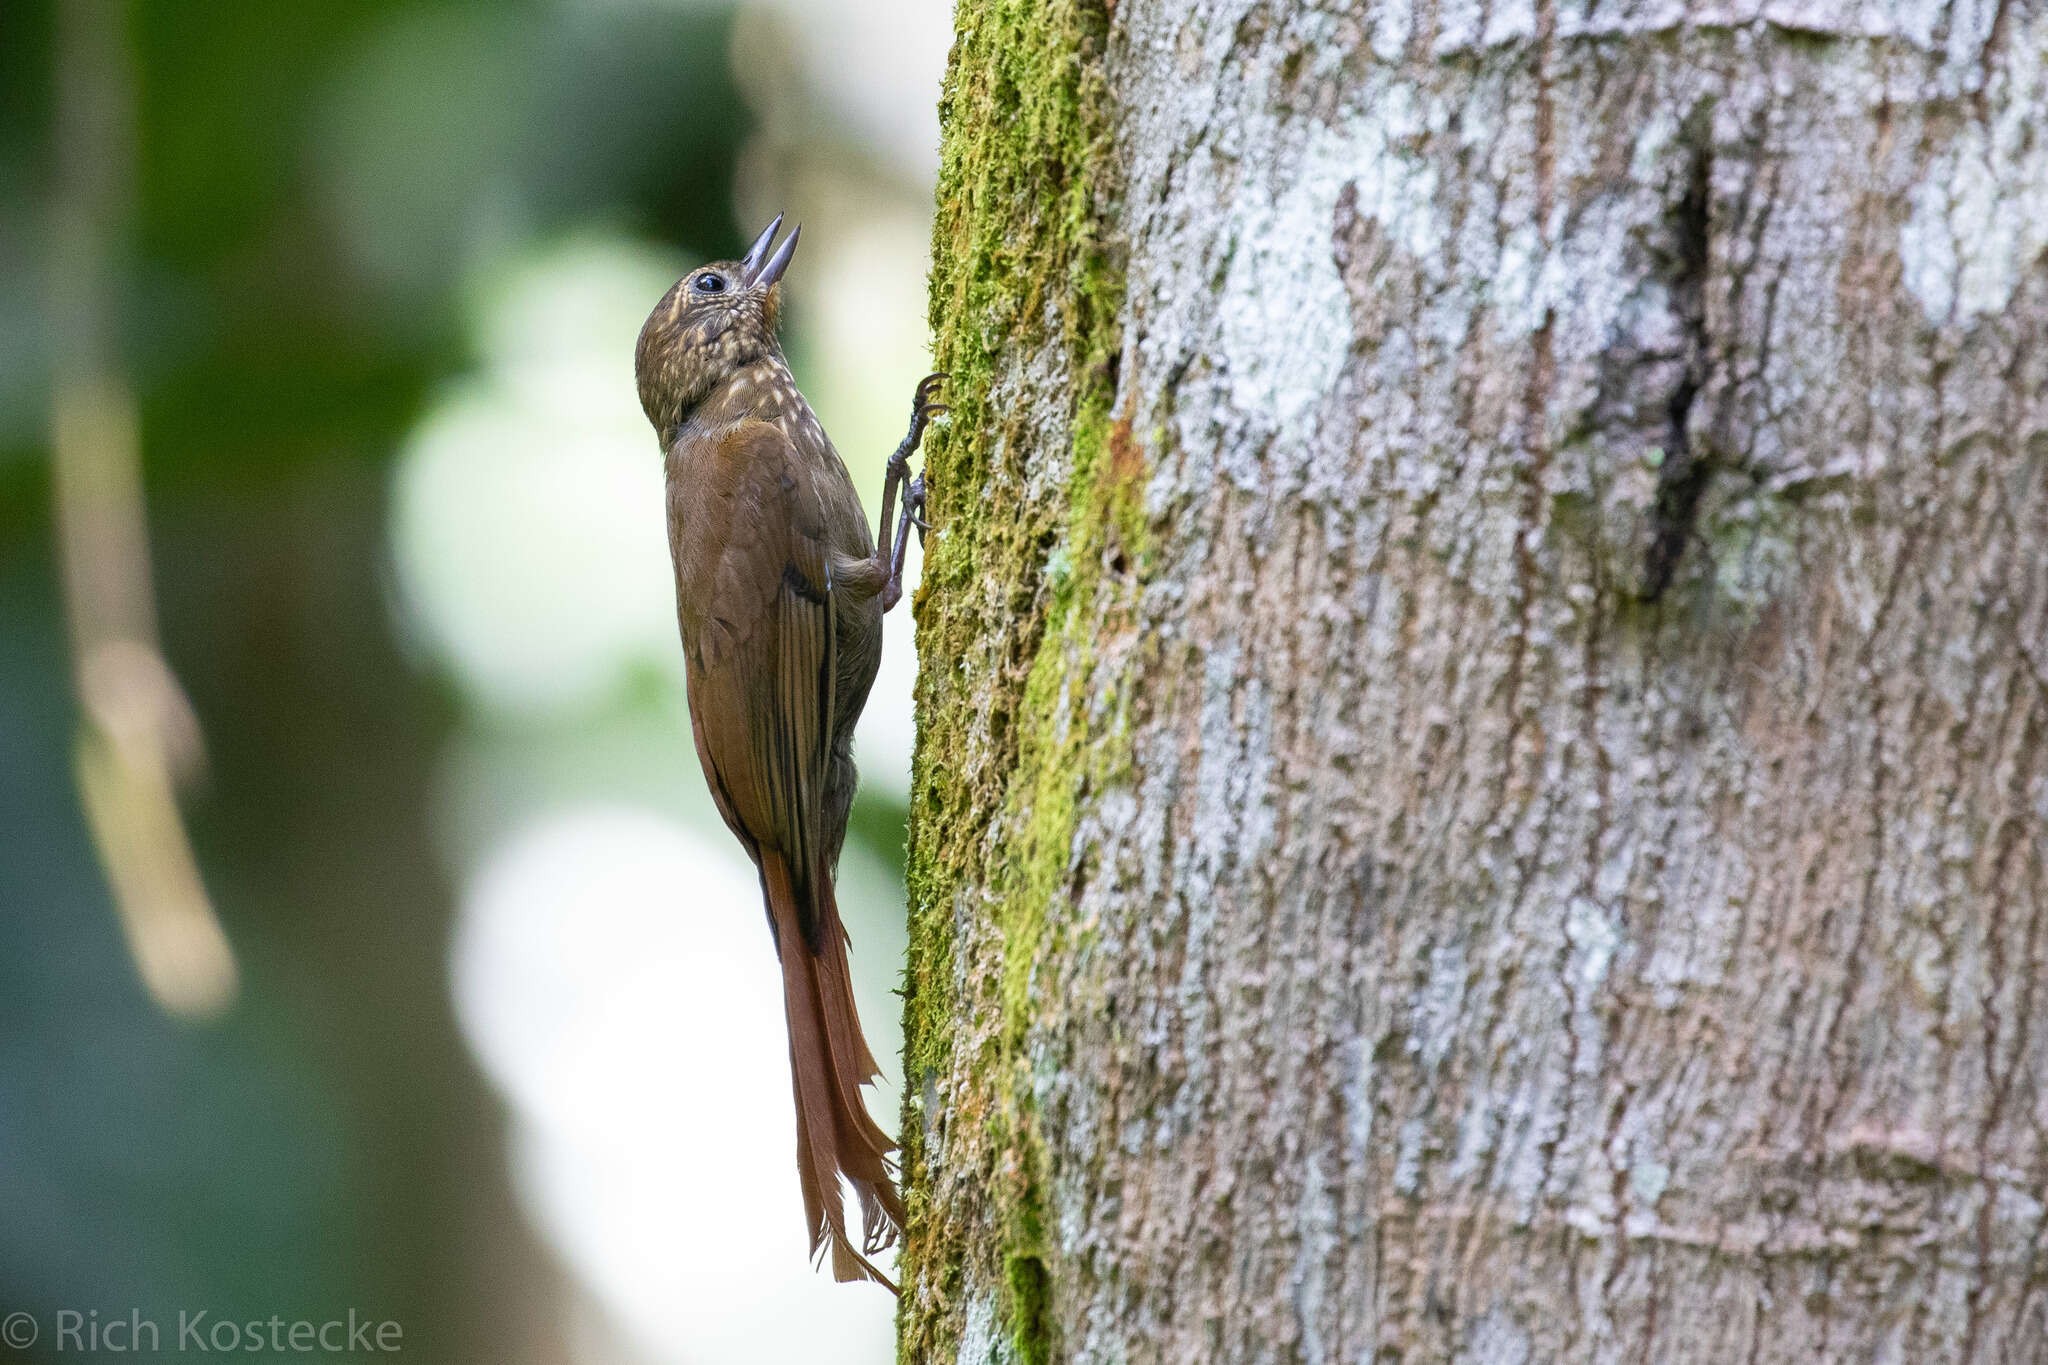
[{"x": 611, "y": 966}]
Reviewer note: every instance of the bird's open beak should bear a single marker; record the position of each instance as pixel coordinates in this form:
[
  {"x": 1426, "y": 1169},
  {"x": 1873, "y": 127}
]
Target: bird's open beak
[{"x": 759, "y": 269}]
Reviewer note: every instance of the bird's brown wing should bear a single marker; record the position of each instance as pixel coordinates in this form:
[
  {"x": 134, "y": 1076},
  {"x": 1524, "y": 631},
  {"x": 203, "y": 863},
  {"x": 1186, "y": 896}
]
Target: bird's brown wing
[{"x": 761, "y": 638}]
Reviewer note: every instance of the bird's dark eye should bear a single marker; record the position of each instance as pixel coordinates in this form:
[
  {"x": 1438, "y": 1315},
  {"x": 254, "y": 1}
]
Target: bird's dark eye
[{"x": 711, "y": 284}]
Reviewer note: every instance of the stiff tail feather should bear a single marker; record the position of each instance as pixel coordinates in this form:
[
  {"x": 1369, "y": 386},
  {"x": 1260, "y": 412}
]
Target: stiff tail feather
[{"x": 829, "y": 1061}]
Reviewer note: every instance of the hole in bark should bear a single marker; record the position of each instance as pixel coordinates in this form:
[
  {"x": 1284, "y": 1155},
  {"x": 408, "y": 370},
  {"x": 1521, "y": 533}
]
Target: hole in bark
[
  {"x": 1688, "y": 465},
  {"x": 1680, "y": 482}
]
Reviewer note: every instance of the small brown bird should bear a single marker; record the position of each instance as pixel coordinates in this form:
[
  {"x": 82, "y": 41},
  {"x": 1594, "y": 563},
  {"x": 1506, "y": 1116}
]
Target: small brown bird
[{"x": 780, "y": 592}]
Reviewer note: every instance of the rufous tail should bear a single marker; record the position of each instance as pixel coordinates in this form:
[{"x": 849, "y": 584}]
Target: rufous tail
[{"x": 829, "y": 1062}]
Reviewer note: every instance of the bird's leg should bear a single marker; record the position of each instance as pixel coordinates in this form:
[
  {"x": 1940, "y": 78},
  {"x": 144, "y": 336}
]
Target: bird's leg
[
  {"x": 913, "y": 515},
  {"x": 922, "y": 410},
  {"x": 892, "y": 537}
]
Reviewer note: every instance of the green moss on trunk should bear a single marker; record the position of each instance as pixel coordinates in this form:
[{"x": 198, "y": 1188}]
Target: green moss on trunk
[{"x": 1026, "y": 296}]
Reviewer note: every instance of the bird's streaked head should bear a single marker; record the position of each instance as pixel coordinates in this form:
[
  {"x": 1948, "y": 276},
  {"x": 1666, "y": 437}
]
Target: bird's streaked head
[{"x": 712, "y": 322}]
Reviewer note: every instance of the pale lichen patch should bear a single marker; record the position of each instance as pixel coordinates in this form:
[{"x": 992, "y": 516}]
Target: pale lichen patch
[{"x": 1979, "y": 216}]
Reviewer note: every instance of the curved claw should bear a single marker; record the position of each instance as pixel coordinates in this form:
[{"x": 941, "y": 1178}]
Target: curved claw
[
  {"x": 921, "y": 404},
  {"x": 922, "y": 414}
]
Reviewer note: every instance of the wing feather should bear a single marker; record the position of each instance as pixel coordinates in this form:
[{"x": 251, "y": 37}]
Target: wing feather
[{"x": 764, "y": 657}]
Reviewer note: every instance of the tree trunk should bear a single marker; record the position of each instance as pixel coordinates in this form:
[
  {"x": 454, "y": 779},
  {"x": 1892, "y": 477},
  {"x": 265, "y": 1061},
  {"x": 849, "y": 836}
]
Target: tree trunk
[{"x": 1481, "y": 786}]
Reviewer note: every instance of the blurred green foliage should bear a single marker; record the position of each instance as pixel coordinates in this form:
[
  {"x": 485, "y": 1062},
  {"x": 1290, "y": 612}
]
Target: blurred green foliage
[
  {"x": 314, "y": 181},
  {"x": 312, "y": 177}
]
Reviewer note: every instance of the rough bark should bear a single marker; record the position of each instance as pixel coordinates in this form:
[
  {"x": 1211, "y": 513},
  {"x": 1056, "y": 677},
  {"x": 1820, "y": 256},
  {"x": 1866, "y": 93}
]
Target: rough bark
[{"x": 1481, "y": 786}]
